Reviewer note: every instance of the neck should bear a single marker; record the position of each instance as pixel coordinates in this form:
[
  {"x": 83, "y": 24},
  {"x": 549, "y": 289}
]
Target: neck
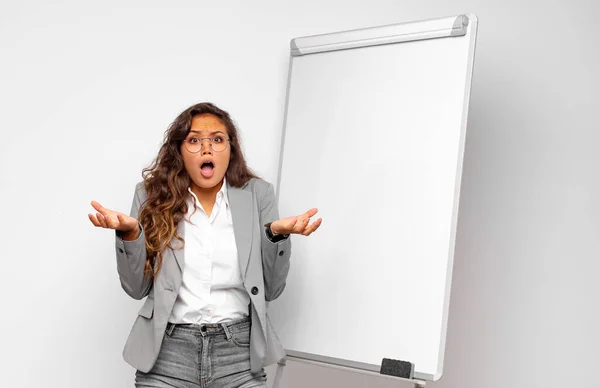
[{"x": 207, "y": 194}]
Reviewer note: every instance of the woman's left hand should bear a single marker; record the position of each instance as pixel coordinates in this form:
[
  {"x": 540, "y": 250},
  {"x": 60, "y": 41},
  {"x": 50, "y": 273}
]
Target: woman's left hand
[{"x": 297, "y": 224}]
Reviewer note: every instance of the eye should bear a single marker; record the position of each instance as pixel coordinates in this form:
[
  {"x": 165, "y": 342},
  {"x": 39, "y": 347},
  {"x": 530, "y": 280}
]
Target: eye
[
  {"x": 193, "y": 140},
  {"x": 218, "y": 139}
]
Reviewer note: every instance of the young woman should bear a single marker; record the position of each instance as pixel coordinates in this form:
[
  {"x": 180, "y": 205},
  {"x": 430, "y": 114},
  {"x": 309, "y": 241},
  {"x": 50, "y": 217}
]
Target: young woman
[{"x": 205, "y": 244}]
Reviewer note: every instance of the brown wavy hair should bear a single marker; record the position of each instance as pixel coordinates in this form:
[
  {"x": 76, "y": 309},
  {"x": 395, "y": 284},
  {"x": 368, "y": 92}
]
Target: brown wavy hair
[{"x": 166, "y": 182}]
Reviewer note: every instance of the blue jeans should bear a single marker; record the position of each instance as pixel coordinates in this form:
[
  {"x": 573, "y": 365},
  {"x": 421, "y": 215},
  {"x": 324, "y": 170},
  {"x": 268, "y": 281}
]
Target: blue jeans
[{"x": 208, "y": 356}]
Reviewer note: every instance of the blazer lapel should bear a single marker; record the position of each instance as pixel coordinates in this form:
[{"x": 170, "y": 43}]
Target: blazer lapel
[
  {"x": 178, "y": 246},
  {"x": 241, "y": 206}
]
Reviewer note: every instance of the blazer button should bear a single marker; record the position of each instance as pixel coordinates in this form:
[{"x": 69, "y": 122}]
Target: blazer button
[
  {"x": 254, "y": 290},
  {"x": 120, "y": 250},
  {"x": 281, "y": 253}
]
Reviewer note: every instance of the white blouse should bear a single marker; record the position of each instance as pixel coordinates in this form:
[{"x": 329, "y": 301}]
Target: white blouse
[{"x": 212, "y": 290}]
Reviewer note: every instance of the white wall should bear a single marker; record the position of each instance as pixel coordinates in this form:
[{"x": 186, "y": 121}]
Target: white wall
[{"x": 86, "y": 92}]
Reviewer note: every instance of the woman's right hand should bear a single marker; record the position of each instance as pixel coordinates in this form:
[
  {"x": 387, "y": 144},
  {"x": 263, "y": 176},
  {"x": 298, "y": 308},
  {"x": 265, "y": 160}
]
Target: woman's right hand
[{"x": 110, "y": 219}]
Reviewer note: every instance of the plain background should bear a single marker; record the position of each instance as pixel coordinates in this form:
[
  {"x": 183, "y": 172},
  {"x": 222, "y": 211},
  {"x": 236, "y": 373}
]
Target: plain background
[{"x": 87, "y": 90}]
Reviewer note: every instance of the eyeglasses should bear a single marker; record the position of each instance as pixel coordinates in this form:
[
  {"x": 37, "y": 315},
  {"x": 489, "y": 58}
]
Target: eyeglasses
[{"x": 217, "y": 143}]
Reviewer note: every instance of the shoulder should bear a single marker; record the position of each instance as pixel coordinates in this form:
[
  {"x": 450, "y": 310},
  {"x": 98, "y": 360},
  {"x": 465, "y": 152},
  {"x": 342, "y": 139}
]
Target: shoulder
[
  {"x": 140, "y": 186},
  {"x": 140, "y": 190},
  {"x": 259, "y": 186}
]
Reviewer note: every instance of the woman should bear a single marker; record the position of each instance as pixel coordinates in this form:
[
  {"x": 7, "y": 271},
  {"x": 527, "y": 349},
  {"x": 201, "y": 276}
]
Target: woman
[{"x": 205, "y": 243}]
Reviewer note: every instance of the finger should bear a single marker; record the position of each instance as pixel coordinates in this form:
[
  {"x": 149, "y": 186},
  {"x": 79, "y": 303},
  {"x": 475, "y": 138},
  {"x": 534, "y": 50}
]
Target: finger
[
  {"x": 311, "y": 212},
  {"x": 301, "y": 225},
  {"x": 93, "y": 219},
  {"x": 99, "y": 207},
  {"x": 312, "y": 227},
  {"x": 101, "y": 220},
  {"x": 110, "y": 221}
]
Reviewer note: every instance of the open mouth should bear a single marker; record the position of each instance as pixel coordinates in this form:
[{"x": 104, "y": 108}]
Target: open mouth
[{"x": 207, "y": 169}]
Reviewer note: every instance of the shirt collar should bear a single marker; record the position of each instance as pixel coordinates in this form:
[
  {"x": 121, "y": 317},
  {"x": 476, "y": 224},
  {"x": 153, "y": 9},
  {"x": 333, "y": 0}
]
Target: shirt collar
[{"x": 223, "y": 191}]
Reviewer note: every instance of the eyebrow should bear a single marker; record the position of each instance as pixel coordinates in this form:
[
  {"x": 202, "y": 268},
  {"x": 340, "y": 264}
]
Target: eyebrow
[{"x": 212, "y": 133}]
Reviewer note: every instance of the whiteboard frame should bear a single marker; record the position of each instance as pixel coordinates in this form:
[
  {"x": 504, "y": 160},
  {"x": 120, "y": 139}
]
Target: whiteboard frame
[{"x": 461, "y": 25}]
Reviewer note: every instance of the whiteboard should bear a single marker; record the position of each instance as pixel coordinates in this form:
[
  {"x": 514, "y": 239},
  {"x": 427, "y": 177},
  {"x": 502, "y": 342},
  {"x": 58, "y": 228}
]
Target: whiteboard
[{"x": 374, "y": 134}]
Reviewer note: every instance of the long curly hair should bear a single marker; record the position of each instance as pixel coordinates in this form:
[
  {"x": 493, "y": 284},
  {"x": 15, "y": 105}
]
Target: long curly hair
[{"x": 166, "y": 182}]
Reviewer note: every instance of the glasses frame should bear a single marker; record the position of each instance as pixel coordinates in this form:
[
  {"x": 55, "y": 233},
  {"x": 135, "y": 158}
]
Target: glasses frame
[{"x": 201, "y": 140}]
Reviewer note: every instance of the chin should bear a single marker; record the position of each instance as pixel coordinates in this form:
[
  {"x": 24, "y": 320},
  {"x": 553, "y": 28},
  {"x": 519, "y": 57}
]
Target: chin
[{"x": 208, "y": 183}]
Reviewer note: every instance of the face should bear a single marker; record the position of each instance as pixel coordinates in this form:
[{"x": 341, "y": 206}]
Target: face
[{"x": 206, "y": 168}]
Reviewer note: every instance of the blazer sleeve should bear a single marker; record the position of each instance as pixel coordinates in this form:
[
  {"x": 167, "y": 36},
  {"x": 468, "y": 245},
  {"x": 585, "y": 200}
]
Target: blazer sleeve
[
  {"x": 131, "y": 255},
  {"x": 275, "y": 256}
]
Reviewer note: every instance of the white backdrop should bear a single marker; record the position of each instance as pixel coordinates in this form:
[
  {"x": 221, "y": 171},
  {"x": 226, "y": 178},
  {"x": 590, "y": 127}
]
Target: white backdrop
[{"x": 86, "y": 92}]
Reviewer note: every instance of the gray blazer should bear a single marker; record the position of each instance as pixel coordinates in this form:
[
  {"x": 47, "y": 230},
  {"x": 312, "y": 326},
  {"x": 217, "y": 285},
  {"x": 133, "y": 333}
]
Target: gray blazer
[{"x": 264, "y": 267}]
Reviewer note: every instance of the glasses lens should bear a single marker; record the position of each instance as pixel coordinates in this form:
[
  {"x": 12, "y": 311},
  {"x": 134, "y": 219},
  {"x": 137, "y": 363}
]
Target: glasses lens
[
  {"x": 193, "y": 147},
  {"x": 219, "y": 147}
]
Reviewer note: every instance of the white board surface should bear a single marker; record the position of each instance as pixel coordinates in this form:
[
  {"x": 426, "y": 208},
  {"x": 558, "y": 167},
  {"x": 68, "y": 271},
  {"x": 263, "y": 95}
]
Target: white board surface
[{"x": 374, "y": 138}]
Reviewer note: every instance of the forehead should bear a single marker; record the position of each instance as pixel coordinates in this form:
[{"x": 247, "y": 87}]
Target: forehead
[{"x": 207, "y": 123}]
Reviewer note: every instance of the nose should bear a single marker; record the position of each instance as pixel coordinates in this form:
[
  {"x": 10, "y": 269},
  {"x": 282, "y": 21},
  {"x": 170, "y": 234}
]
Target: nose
[{"x": 206, "y": 147}]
